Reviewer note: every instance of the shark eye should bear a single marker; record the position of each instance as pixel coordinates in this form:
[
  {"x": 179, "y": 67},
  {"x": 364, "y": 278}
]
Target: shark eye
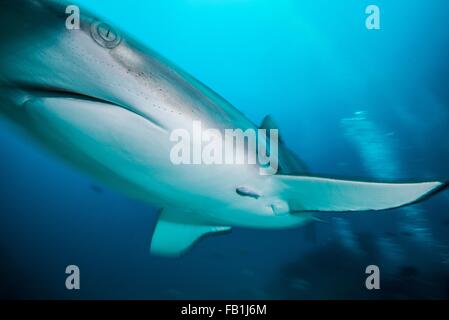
[{"x": 105, "y": 35}]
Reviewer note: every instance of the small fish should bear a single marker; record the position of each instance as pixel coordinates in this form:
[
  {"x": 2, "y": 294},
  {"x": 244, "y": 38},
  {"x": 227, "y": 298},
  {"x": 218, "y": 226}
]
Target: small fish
[{"x": 96, "y": 189}]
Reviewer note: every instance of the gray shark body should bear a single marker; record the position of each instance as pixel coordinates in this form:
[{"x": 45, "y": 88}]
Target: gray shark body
[{"x": 107, "y": 105}]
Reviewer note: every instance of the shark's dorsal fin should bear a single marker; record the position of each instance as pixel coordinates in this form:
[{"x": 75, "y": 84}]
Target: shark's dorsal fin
[
  {"x": 268, "y": 123},
  {"x": 289, "y": 162},
  {"x": 173, "y": 236}
]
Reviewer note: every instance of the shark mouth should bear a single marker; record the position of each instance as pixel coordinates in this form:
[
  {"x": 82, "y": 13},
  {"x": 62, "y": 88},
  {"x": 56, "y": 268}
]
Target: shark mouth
[{"x": 48, "y": 91}]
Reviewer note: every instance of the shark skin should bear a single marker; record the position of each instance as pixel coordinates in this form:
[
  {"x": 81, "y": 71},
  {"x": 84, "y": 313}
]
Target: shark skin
[{"x": 107, "y": 105}]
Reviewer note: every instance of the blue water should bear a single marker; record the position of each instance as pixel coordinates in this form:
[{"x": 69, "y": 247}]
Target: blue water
[{"x": 352, "y": 102}]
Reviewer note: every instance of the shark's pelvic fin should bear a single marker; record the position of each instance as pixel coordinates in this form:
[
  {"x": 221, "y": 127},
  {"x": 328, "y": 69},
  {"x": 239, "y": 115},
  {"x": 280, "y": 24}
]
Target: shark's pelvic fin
[
  {"x": 304, "y": 193},
  {"x": 173, "y": 236}
]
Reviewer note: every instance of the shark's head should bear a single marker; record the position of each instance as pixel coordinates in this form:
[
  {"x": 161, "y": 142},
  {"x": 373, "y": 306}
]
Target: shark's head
[
  {"x": 67, "y": 81},
  {"x": 45, "y": 54}
]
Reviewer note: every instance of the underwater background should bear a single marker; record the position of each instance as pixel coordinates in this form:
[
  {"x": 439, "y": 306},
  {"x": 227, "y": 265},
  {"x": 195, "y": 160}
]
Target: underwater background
[{"x": 351, "y": 102}]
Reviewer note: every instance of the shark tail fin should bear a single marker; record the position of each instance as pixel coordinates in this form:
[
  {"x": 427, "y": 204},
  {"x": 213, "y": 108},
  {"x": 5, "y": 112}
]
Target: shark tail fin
[
  {"x": 173, "y": 236},
  {"x": 304, "y": 193}
]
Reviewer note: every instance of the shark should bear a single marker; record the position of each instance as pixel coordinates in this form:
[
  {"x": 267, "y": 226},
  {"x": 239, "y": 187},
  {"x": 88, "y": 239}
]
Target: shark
[{"x": 101, "y": 101}]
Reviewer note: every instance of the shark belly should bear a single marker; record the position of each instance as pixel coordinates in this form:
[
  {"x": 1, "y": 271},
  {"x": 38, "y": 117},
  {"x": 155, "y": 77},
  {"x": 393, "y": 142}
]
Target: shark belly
[
  {"x": 137, "y": 151},
  {"x": 131, "y": 154}
]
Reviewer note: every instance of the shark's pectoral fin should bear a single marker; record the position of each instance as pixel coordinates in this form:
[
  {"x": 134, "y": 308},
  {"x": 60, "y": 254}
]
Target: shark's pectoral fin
[
  {"x": 305, "y": 193},
  {"x": 174, "y": 235}
]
